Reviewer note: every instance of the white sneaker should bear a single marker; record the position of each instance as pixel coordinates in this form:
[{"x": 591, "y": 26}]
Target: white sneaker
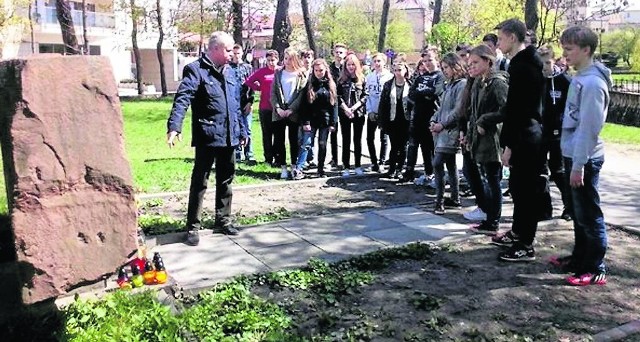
[
  {"x": 359, "y": 171},
  {"x": 285, "y": 173},
  {"x": 345, "y": 173},
  {"x": 475, "y": 215},
  {"x": 430, "y": 180}
]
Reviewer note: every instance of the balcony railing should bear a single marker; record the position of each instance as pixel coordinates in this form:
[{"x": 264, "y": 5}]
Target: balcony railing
[{"x": 94, "y": 19}]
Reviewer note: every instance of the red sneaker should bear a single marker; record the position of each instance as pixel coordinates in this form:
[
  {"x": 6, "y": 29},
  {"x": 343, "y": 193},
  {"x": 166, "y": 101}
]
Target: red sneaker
[{"x": 588, "y": 279}]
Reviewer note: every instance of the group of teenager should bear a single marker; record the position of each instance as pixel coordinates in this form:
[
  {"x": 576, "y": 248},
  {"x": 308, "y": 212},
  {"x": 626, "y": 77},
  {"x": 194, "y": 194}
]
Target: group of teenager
[{"x": 516, "y": 109}]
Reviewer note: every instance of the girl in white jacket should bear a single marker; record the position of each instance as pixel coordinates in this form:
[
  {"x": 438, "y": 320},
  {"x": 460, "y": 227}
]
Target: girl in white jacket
[{"x": 374, "y": 81}]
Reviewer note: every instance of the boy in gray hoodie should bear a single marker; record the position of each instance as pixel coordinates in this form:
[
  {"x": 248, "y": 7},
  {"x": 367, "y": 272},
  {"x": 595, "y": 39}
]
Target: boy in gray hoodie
[{"x": 583, "y": 152}]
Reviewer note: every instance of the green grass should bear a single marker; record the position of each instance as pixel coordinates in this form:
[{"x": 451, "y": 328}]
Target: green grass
[
  {"x": 158, "y": 168},
  {"x": 620, "y": 134},
  {"x": 625, "y": 77}
]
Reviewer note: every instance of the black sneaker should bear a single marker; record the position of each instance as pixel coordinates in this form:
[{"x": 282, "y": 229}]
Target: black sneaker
[
  {"x": 312, "y": 165},
  {"x": 408, "y": 177},
  {"x": 375, "y": 168},
  {"x": 518, "y": 253},
  {"x": 226, "y": 230},
  {"x": 193, "y": 238},
  {"x": 507, "y": 193},
  {"x": 505, "y": 240},
  {"x": 449, "y": 203},
  {"x": 389, "y": 174},
  {"x": 466, "y": 193},
  {"x": 485, "y": 228},
  {"x": 565, "y": 215},
  {"x": 321, "y": 174},
  {"x": 439, "y": 209}
]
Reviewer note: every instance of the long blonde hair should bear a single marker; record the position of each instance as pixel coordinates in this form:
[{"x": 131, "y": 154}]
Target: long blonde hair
[
  {"x": 332, "y": 85},
  {"x": 294, "y": 59},
  {"x": 344, "y": 75}
]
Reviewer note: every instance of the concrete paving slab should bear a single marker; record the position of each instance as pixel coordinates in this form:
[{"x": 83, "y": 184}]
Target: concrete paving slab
[
  {"x": 215, "y": 259},
  {"x": 265, "y": 236},
  {"x": 405, "y": 214},
  {"x": 346, "y": 223},
  {"x": 350, "y": 245},
  {"x": 446, "y": 230},
  {"x": 290, "y": 255},
  {"x": 398, "y": 236}
]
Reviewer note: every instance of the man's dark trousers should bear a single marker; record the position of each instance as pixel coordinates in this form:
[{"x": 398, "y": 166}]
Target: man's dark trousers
[{"x": 224, "y": 158}]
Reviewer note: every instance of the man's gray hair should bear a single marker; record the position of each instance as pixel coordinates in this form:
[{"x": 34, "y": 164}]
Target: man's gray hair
[{"x": 218, "y": 38}]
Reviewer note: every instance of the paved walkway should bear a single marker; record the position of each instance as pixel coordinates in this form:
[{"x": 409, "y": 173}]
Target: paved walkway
[{"x": 293, "y": 242}]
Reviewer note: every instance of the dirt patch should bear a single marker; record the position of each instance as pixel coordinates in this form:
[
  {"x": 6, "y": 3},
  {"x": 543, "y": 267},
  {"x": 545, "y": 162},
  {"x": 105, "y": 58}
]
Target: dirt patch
[
  {"x": 310, "y": 197},
  {"x": 463, "y": 293}
]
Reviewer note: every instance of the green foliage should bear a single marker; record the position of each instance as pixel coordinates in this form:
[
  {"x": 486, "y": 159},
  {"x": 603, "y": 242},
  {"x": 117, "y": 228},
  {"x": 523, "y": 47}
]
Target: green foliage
[
  {"x": 120, "y": 317},
  {"x": 153, "y": 224},
  {"x": 425, "y": 302},
  {"x": 447, "y": 35},
  {"x": 279, "y": 213},
  {"x": 486, "y": 14},
  {"x": 357, "y": 24},
  {"x": 232, "y": 313},
  {"x": 325, "y": 281},
  {"x": 624, "y": 42}
]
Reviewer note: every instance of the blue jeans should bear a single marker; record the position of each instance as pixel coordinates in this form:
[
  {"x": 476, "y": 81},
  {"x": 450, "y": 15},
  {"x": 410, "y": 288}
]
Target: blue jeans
[
  {"x": 471, "y": 173},
  {"x": 247, "y": 120},
  {"x": 492, "y": 199},
  {"x": 439, "y": 161},
  {"x": 307, "y": 145},
  {"x": 588, "y": 220}
]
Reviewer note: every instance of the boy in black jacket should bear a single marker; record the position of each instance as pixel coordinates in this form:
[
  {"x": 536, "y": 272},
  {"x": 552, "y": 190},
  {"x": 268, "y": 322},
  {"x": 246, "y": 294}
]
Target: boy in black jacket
[
  {"x": 425, "y": 95},
  {"x": 555, "y": 97},
  {"x": 521, "y": 139}
]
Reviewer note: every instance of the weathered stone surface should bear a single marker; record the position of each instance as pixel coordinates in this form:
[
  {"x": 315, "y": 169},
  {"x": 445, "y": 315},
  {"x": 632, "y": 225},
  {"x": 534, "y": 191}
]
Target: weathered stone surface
[{"x": 69, "y": 184}]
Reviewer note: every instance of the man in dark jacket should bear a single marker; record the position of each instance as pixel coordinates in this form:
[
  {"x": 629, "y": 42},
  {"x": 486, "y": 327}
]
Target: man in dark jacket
[
  {"x": 210, "y": 89},
  {"x": 521, "y": 139}
]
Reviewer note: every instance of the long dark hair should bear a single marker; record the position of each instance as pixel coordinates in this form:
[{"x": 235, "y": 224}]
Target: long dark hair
[
  {"x": 456, "y": 64},
  {"x": 332, "y": 85}
]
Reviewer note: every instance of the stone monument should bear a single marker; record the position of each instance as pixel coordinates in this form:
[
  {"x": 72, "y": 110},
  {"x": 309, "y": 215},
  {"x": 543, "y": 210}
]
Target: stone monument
[{"x": 69, "y": 184}]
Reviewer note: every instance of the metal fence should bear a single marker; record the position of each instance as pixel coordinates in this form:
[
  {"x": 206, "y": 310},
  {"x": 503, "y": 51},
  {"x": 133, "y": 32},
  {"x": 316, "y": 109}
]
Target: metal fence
[{"x": 627, "y": 86}]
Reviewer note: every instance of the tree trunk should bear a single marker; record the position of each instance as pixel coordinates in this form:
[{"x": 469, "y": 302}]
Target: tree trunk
[
  {"x": 84, "y": 27},
  {"x": 383, "y": 25},
  {"x": 201, "y": 47},
  {"x": 531, "y": 14},
  {"x": 237, "y": 21},
  {"x": 163, "y": 76},
  {"x": 63, "y": 12},
  {"x": 307, "y": 26},
  {"x": 33, "y": 38},
  {"x": 281, "y": 28},
  {"x": 134, "y": 44},
  {"x": 437, "y": 10}
]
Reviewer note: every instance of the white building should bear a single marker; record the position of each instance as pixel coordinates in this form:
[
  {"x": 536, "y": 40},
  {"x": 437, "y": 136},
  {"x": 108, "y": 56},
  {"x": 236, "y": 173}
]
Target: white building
[{"x": 109, "y": 34}]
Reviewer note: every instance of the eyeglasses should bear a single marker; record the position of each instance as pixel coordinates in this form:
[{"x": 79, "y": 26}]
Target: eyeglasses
[{"x": 398, "y": 70}]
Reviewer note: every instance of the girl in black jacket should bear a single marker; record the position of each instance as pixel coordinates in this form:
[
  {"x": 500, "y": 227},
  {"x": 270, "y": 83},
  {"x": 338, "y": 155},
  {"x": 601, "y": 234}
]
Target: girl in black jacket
[
  {"x": 319, "y": 115},
  {"x": 394, "y": 112},
  {"x": 352, "y": 96}
]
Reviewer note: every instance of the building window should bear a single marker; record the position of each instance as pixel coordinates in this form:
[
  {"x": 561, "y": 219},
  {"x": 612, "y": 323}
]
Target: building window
[{"x": 59, "y": 48}]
